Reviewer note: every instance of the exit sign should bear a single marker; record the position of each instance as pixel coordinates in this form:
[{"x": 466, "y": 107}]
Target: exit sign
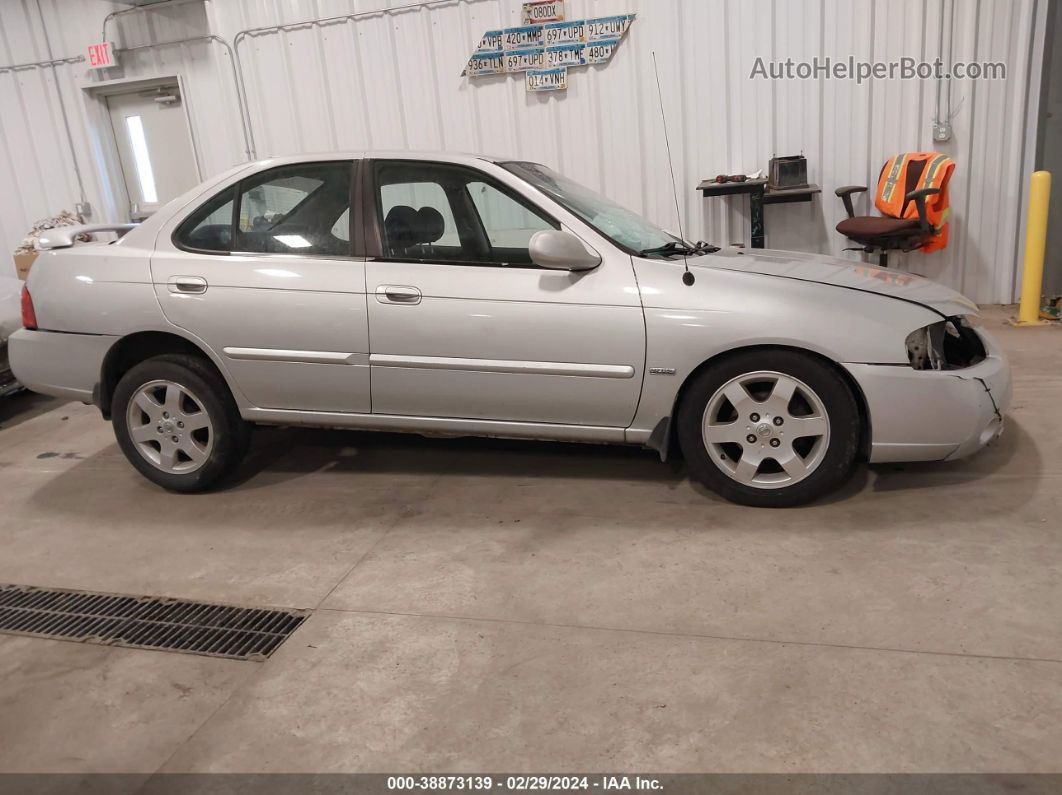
[{"x": 100, "y": 56}]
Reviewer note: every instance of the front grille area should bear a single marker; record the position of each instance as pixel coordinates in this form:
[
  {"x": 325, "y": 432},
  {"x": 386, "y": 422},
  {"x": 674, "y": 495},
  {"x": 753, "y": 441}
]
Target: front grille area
[{"x": 146, "y": 622}]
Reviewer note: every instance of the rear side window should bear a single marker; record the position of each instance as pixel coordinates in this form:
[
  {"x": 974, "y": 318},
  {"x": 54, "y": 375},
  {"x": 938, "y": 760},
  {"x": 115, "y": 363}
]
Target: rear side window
[
  {"x": 297, "y": 209},
  {"x": 294, "y": 210}
]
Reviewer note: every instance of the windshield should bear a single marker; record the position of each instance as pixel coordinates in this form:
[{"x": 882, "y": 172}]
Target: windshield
[{"x": 624, "y": 228}]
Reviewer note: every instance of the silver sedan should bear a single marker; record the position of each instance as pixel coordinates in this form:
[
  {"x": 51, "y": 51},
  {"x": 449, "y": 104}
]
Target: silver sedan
[{"x": 457, "y": 294}]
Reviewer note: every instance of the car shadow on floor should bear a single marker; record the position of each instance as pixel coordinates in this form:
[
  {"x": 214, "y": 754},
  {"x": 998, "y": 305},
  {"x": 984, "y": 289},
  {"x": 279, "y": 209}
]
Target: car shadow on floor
[
  {"x": 23, "y": 406},
  {"x": 1011, "y": 470},
  {"x": 279, "y": 453}
]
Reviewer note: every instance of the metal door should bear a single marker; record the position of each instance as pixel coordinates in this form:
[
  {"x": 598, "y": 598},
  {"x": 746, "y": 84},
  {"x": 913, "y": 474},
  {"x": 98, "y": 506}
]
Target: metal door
[{"x": 154, "y": 147}]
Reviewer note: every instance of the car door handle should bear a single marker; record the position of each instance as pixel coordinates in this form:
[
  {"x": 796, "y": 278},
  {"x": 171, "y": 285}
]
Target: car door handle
[
  {"x": 187, "y": 285},
  {"x": 397, "y": 294}
]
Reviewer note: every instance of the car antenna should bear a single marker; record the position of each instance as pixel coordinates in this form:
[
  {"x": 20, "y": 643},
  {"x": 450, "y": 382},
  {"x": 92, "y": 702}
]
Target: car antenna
[{"x": 687, "y": 277}]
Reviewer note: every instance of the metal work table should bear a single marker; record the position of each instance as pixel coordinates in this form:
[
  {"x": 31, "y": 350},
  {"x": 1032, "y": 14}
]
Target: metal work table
[{"x": 759, "y": 195}]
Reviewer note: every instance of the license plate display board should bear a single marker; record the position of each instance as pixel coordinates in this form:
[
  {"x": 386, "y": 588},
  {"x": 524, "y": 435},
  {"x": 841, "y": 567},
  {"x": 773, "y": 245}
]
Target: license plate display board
[{"x": 548, "y": 47}]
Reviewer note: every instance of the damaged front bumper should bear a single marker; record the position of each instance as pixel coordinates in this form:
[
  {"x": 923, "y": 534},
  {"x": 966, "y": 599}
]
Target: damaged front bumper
[{"x": 935, "y": 415}]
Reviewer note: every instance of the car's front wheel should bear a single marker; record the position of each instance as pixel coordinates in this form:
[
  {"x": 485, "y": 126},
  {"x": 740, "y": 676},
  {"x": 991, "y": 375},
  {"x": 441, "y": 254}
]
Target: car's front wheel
[
  {"x": 177, "y": 423},
  {"x": 769, "y": 428}
]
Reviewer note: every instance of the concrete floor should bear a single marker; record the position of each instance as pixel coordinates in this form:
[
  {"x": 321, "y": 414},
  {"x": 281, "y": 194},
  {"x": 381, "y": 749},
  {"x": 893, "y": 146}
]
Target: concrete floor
[{"x": 502, "y": 606}]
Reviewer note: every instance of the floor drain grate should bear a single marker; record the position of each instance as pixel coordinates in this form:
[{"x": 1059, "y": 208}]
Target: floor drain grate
[{"x": 146, "y": 622}]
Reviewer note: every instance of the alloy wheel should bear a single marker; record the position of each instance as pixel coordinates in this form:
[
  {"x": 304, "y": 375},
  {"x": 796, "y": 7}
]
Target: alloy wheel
[
  {"x": 170, "y": 427},
  {"x": 766, "y": 429}
]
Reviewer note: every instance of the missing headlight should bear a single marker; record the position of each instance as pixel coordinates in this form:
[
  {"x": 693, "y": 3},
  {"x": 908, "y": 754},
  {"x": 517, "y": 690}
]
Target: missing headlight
[{"x": 951, "y": 344}]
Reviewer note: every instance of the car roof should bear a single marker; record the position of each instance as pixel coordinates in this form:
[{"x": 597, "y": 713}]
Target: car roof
[{"x": 382, "y": 154}]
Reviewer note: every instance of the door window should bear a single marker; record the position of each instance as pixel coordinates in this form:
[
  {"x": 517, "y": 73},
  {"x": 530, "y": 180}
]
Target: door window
[
  {"x": 434, "y": 212},
  {"x": 508, "y": 223},
  {"x": 295, "y": 210},
  {"x": 341, "y": 228},
  {"x": 299, "y": 209},
  {"x": 422, "y": 194},
  {"x": 144, "y": 172},
  {"x": 210, "y": 227}
]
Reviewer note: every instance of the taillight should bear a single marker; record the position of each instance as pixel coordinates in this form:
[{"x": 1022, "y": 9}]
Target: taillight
[{"x": 29, "y": 317}]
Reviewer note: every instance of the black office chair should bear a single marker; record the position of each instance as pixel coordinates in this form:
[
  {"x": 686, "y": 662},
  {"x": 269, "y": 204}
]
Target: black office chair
[{"x": 883, "y": 233}]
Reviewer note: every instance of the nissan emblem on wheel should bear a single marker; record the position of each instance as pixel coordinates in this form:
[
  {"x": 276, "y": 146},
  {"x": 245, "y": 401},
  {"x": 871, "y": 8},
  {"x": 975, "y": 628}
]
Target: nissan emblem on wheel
[{"x": 485, "y": 296}]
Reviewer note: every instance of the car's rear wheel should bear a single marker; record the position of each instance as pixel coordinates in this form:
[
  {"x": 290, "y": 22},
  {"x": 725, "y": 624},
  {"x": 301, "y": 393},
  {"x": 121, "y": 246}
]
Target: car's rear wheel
[
  {"x": 770, "y": 428},
  {"x": 177, "y": 423}
]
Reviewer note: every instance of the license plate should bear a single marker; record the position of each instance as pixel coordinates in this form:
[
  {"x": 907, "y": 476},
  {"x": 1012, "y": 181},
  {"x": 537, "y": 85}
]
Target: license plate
[
  {"x": 606, "y": 27},
  {"x": 485, "y": 64},
  {"x": 564, "y": 33},
  {"x": 522, "y": 60},
  {"x": 491, "y": 41},
  {"x": 599, "y": 51},
  {"x": 568, "y": 55},
  {"x": 521, "y": 38},
  {"x": 539, "y": 11},
  {"x": 547, "y": 79}
]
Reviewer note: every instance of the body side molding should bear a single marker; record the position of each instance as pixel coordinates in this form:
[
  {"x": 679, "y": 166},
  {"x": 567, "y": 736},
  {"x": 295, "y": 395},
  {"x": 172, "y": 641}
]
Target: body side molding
[
  {"x": 309, "y": 357},
  {"x": 503, "y": 366}
]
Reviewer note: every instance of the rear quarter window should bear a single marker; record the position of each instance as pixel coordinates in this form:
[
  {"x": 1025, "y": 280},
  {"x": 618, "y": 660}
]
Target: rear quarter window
[{"x": 209, "y": 228}]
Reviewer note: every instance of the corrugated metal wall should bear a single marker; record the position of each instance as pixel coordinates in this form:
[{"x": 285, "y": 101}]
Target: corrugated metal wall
[{"x": 392, "y": 80}]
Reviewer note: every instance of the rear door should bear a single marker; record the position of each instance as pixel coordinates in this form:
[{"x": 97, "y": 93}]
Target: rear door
[
  {"x": 263, "y": 272},
  {"x": 463, "y": 324}
]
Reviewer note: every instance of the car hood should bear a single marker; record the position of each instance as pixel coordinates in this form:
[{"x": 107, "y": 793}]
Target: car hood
[
  {"x": 10, "y": 306},
  {"x": 845, "y": 274}
]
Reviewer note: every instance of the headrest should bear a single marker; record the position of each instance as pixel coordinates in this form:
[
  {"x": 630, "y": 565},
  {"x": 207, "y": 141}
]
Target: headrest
[
  {"x": 401, "y": 226},
  {"x": 432, "y": 224}
]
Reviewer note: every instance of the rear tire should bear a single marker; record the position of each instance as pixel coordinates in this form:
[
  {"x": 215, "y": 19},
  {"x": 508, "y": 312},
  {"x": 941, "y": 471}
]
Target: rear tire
[
  {"x": 177, "y": 423},
  {"x": 770, "y": 429}
]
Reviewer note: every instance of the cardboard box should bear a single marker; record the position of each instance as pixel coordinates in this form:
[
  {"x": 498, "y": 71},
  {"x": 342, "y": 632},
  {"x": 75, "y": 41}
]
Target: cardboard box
[{"x": 23, "y": 263}]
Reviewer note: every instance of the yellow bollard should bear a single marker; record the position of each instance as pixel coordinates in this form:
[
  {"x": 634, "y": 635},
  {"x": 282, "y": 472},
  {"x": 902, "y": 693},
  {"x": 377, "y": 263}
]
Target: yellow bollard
[{"x": 1035, "y": 246}]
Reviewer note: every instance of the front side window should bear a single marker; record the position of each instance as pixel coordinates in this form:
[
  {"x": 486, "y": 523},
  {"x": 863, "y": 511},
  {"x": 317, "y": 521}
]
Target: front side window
[
  {"x": 435, "y": 212},
  {"x": 620, "y": 225}
]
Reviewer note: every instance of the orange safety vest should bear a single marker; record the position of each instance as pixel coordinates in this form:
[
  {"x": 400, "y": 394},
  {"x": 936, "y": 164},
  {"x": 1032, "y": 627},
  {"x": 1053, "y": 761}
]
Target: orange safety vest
[{"x": 926, "y": 170}]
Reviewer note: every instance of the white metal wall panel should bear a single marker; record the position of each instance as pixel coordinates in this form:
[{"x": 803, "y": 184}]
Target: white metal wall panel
[
  {"x": 35, "y": 159},
  {"x": 392, "y": 80}
]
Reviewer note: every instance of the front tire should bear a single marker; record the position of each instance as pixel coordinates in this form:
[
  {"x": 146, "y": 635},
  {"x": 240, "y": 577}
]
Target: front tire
[
  {"x": 770, "y": 429},
  {"x": 177, "y": 423}
]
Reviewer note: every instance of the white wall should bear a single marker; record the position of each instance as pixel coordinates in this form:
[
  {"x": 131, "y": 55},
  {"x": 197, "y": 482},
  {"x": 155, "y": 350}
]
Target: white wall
[{"x": 392, "y": 80}]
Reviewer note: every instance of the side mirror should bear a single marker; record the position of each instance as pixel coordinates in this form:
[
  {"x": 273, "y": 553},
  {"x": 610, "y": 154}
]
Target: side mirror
[{"x": 562, "y": 251}]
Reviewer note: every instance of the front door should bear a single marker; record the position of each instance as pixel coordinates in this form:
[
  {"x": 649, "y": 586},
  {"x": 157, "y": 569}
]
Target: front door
[
  {"x": 154, "y": 147},
  {"x": 263, "y": 273},
  {"x": 463, "y": 325}
]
